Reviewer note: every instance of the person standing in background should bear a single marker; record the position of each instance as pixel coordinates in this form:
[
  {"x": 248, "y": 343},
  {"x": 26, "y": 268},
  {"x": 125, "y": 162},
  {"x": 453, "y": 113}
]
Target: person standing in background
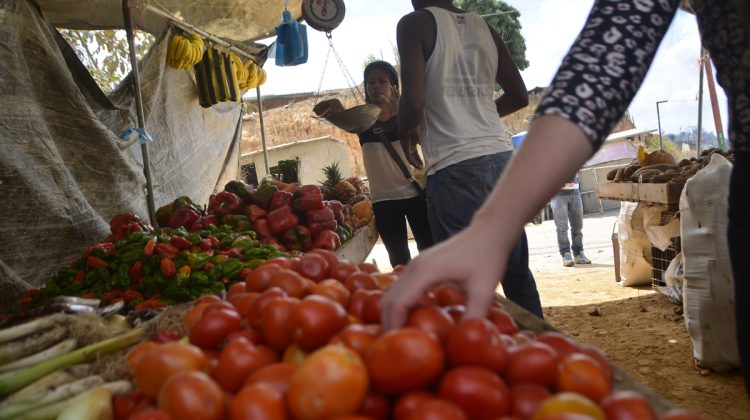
[
  {"x": 567, "y": 208},
  {"x": 451, "y": 62},
  {"x": 394, "y": 198}
]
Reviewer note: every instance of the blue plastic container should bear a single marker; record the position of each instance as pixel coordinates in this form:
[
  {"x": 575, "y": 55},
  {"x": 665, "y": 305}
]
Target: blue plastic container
[{"x": 517, "y": 139}]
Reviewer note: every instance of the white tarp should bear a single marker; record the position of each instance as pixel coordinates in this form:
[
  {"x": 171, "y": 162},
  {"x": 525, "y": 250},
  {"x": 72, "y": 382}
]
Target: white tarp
[
  {"x": 62, "y": 173},
  {"x": 239, "y": 20}
]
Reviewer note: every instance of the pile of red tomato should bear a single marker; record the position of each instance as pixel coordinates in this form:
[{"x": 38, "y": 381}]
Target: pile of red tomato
[{"x": 301, "y": 339}]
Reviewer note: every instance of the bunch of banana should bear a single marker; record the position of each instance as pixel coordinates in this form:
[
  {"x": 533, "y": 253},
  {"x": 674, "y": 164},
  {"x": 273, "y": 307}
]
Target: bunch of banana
[
  {"x": 184, "y": 52},
  {"x": 256, "y": 76}
]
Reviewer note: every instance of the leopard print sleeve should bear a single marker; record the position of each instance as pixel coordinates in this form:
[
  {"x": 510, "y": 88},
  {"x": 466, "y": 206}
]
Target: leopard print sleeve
[{"x": 606, "y": 65}]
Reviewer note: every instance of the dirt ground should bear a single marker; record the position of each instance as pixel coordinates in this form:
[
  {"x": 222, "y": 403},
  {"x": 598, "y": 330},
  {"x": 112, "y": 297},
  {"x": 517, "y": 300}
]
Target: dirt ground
[{"x": 641, "y": 331}]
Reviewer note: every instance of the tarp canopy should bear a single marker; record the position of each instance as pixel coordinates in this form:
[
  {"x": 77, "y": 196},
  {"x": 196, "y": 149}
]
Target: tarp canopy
[
  {"x": 239, "y": 20},
  {"x": 64, "y": 171}
]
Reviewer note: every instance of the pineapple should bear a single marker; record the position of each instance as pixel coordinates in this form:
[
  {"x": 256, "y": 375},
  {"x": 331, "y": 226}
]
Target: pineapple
[
  {"x": 357, "y": 184},
  {"x": 344, "y": 191},
  {"x": 333, "y": 176}
]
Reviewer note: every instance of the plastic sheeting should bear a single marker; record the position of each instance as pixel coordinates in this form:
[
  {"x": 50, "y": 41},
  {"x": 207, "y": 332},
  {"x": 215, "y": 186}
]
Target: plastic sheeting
[
  {"x": 708, "y": 293},
  {"x": 62, "y": 171}
]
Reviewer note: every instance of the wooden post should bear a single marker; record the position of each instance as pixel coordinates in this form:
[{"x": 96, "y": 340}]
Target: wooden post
[
  {"x": 139, "y": 109},
  {"x": 700, "y": 105},
  {"x": 714, "y": 102}
]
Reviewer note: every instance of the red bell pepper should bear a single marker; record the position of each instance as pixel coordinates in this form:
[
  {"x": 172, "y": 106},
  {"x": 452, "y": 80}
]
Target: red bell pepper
[
  {"x": 136, "y": 273},
  {"x": 166, "y": 250},
  {"x": 308, "y": 197},
  {"x": 282, "y": 219},
  {"x": 224, "y": 203},
  {"x": 327, "y": 239},
  {"x": 281, "y": 199},
  {"x": 317, "y": 227},
  {"x": 320, "y": 215},
  {"x": 263, "y": 228},
  {"x": 184, "y": 216},
  {"x": 298, "y": 238},
  {"x": 255, "y": 212},
  {"x": 168, "y": 267},
  {"x": 96, "y": 262}
]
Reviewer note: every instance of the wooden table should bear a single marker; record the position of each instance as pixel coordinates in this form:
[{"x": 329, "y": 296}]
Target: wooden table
[
  {"x": 359, "y": 246},
  {"x": 668, "y": 193}
]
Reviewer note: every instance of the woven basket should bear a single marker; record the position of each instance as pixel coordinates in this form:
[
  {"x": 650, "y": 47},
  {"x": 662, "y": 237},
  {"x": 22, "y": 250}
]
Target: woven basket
[{"x": 357, "y": 119}]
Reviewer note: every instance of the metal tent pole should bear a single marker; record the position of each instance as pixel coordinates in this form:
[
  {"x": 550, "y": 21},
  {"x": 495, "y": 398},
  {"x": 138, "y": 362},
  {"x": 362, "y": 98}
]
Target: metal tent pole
[
  {"x": 262, "y": 130},
  {"x": 139, "y": 108},
  {"x": 699, "y": 135}
]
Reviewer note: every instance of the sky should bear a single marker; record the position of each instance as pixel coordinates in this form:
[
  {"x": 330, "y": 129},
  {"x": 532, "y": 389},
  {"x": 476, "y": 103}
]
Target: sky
[{"x": 549, "y": 28}]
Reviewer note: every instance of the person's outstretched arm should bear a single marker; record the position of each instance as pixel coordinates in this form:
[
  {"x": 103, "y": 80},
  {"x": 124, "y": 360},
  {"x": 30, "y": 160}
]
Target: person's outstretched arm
[{"x": 590, "y": 93}]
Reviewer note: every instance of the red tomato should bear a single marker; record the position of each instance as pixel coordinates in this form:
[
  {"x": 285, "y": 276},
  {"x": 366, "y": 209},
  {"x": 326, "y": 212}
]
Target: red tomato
[
  {"x": 161, "y": 361},
  {"x": 404, "y": 360},
  {"x": 282, "y": 262},
  {"x": 375, "y": 406},
  {"x": 561, "y": 343},
  {"x": 313, "y": 266},
  {"x": 255, "y": 315},
  {"x": 199, "y": 309},
  {"x": 258, "y": 401},
  {"x": 244, "y": 302},
  {"x": 437, "y": 409},
  {"x": 456, "y": 312},
  {"x": 214, "y": 327},
  {"x": 502, "y": 320},
  {"x": 448, "y": 295},
  {"x": 385, "y": 280},
  {"x": 331, "y": 258},
  {"x": 532, "y": 362},
  {"x": 258, "y": 279},
  {"x": 371, "y": 307},
  {"x": 238, "y": 287},
  {"x": 276, "y": 376},
  {"x": 480, "y": 393},
  {"x": 599, "y": 356},
  {"x": 627, "y": 405},
  {"x": 334, "y": 290},
  {"x": 361, "y": 280},
  {"x": 124, "y": 405},
  {"x": 368, "y": 267},
  {"x": 357, "y": 303},
  {"x": 342, "y": 270},
  {"x": 476, "y": 342},
  {"x": 525, "y": 398},
  {"x": 250, "y": 335},
  {"x": 137, "y": 352},
  {"x": 330, "y": 382},
  {"x": 408, "y": 403},
  {"x": 358, "y": 337},
  {"x": 294, "y": 355},
  {"x": 153, "y": 414},
  {"x": 238, "y": 360},
  {"x": 315, "y": 320},
  {"x": 432, "y": 319},
  {"x": 580, "y": 373},
  {"x": 192, "y": 394},
  {"x": 275, "y": 318},
  {"x": 208, "y": 299},
  {"x": 290, "y": 282}
]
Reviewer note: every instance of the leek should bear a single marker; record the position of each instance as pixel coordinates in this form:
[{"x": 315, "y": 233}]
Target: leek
[
  {"x": 27, "y": 328},
  {"x": 62, "y": 347},
  {"x": 19, "y": 379},
  {"x": 51, "y": 395},
  {"x": 31, "y": 344}
]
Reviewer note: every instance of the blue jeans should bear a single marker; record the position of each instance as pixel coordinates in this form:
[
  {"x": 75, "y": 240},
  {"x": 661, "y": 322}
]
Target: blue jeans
[
  {"x": 568, "y": 207},
  {"x": 454, "y": 194}
]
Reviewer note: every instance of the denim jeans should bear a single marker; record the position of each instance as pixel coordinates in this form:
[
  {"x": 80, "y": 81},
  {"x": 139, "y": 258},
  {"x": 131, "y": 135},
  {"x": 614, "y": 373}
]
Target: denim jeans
[
  {"x": 454, "y": 194},
  {"x": 568, "y": 207}
]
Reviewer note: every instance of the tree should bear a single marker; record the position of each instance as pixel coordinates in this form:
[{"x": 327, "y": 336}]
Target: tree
[
  {"x": 105, "y": 53},
  {"x": 370, "y": 58},
  {"x": 504, "y": 19}
]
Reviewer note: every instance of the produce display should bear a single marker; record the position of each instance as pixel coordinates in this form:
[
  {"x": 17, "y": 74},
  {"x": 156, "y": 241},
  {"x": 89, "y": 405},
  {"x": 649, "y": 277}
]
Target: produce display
[
  {"x": 197, "y": 251},
  {"x": 660, "y": 167},
  {"x": 300, "y": 338}
]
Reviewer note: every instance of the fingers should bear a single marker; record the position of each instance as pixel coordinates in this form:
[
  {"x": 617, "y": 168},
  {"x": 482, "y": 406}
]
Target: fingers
[
  {"x": 479, "y": 297},
  {"x": 403, "y": 295}
]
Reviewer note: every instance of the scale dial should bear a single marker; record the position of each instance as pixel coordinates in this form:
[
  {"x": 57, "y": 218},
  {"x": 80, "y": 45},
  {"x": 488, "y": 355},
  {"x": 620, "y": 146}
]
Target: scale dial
[{"x": 323, "y": 15}]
